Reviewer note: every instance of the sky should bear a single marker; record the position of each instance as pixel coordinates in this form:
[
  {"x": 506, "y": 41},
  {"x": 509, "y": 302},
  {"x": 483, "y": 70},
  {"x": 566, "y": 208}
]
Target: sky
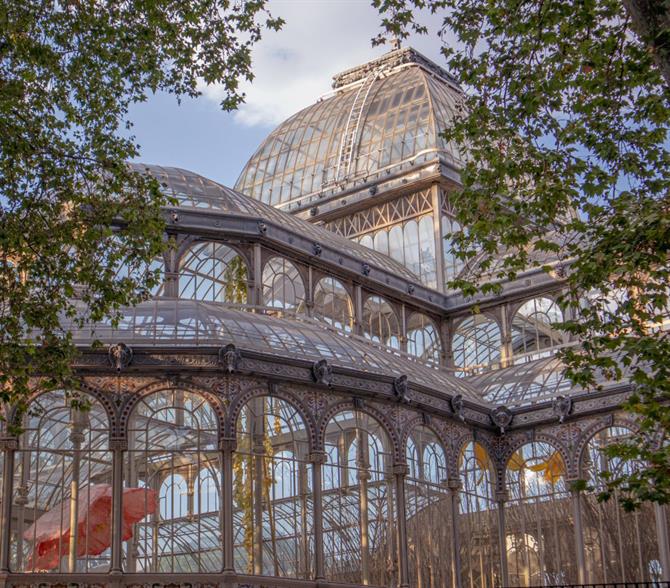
[{"x": 292, "y": 68}]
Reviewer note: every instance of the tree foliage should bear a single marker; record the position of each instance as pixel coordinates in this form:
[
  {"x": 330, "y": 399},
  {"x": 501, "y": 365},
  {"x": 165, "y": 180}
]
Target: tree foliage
[
  {"x": 79, "y": 227},
  {"x": 565, "y": 119}
]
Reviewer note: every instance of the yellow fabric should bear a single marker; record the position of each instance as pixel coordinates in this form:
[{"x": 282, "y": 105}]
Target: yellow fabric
[{"x": 552, "y": 469}]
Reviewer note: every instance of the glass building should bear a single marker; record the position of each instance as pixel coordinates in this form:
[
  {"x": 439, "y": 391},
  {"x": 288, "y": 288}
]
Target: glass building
[{"x": 303, "y": 402}]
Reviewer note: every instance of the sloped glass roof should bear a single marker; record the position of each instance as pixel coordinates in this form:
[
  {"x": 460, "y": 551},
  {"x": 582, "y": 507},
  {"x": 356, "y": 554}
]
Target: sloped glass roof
[
  {"x": 190, "y": 323},
  {"x": 392, "y": 115},
  {"x": 195, "y": 191}
]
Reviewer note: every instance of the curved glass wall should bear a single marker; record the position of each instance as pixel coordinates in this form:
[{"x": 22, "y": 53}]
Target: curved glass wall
[
  {"x": 282, "y": 285},
  {"x": 358, "y": 502},
  {"x": 478, "y": 519},
  {"x": 213, "y": 272},
  {"x": 620, "y": 546},
  {"x": 380, "y": 323},
  {"x": 423, "y": 339},
  {"x": 333, "y": 305},
  {"x": 539, "y": 532},
  {"x": 476, "y": 343},
  {"x": 272, "y": 495},
  {"x": 429, "y": 537},
  {"x": 173, "y": 455},
  {"x": 62, "y": 481},
  {"x": 532, "y": 330}
]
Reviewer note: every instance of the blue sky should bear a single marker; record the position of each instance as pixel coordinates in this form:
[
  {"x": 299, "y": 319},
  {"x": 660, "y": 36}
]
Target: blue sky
[{"x": 292, "y": 67}]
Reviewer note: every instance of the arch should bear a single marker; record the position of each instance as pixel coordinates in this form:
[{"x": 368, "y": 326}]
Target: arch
[
  {"x": 333, "y": 305},
  {"x": 380, "y": 322},
  {"x": 539, "y": 527},
  {"x": 358, "y": 526},
  {"x": 623, "y": 546},
  {"x": 594, "y": 429},
  {"x": 531, "y": 327},
  {"x": 283, "y": 286},
  {"x": 423, "y": 339},
  {"x": 63, "y": 458},
  {"x": 271, "y": 489},
  {"x": 213, "y": 272},
  {"x": 173, "y": 435},
  {"x": 478, "y": 528},
  {"x": 476, "y": 342}
]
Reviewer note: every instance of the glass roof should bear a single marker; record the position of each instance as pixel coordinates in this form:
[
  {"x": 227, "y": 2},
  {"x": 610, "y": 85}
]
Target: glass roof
[
  {"x": 195, "y": 191},
  {"x": 186, "y": 323},
  {"x": 527, "y": 383},
  {"x": 388, "y": 118}
]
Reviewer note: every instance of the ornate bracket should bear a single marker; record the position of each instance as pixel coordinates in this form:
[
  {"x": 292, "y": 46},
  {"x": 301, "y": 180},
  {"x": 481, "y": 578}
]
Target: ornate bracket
[
  {"x": 502, "y": 418},
  {"x": 229, "y": 358},
  {"x": 322, "y": 373},
  {"x": 457, "y": 406},
  {"x": 120, "y": 356},
  {"x": 401, "y": 389},
  {"x": 562, "y": 407},
  {"x": 262, "y": 227},
  {"x": 316, "y": 249},
  {"x": 365, "y": 269}
]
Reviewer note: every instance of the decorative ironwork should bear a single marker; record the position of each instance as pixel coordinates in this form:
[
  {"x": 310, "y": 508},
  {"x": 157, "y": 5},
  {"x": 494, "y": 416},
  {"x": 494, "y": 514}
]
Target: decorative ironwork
[
  {"x": 120, "y": 356},
  {"x": 502, "y": 418},
  {"x": 322, "y": 372},
  {"x": 401, "y": 389},
  {"x": 229, "y": 358}
]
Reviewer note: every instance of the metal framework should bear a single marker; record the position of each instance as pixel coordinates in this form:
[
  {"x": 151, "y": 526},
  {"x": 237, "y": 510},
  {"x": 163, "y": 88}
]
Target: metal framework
[{"x": 293, "y": 408}]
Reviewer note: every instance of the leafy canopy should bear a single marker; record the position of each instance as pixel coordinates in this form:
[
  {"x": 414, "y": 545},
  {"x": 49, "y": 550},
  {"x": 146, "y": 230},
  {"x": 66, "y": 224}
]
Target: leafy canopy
[
  {"x": 565, "y": 119},
  {"x": 75, "y": 219}
]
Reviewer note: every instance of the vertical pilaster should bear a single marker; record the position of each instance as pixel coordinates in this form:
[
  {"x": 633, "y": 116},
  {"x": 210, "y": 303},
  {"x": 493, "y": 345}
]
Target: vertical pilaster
[
  {"x": 579, "y": 535},
  {"x": 663, "y": 543},
  {"x": 227, "y": 447},
  {"x": 438, "y": 232},
  {"x": 256, "y": 293},
  {"x": 400, "y": 473},
  {"x": 501, "y": 498},
  {"x": 118, "y": 447},
  {"x": 309, "y": 294},
  {"x": 454, "y": 495},
  {"x": 317, "y": 459},
  {"x": 9, "y": 446},
  {"x": 358, "y": 309}
]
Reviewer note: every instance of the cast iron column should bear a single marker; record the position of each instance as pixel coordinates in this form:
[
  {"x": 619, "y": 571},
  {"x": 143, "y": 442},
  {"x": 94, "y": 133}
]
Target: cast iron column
[
  {"x": 663, "y": 543},
  {"x": 9, "y": 446},
  {"x": 118, "y": 446},
  {"x": 318, "y": 458},
  {"x": 501, "y": 497},
  {"x": 227, "y": 447},
  {"x": 454, "y": 489},
  {"x": 579, "y": 535},
  {"x": 400, "y": 471}
]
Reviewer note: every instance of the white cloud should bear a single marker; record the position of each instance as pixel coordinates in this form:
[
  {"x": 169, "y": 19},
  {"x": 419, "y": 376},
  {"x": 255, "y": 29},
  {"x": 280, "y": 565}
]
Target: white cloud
[{"x": 295, "y": 66}]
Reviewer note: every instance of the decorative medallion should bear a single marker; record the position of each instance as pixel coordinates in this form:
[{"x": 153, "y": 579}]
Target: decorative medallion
[
  {"x": 401, "y": 389},
  {"x": 502, "y": 417},
  {"x": 229, "y": 358},
  {"x": 322, "y": 373},
  {"x": 562, "y": 407},
  {"x": 120, "y": 356}
]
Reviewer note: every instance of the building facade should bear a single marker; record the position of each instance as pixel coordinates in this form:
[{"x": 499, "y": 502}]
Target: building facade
[{"x": 303, "y": 402}]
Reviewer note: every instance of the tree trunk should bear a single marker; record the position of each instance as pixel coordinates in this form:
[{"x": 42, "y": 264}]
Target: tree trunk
[{"x": 651, "y": 21}]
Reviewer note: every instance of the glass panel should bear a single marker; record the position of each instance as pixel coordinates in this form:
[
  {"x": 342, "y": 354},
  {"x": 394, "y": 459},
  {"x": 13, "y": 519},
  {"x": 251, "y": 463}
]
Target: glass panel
[
  {"x": 380, "y": 323},
  {"x": 173, "y": 456},
  {"x": 273, "y": 506},
  {"x": 358, "y": 502},
  {"x": 476, "y": 343},
  {"x": 532, "y": 329},
  {"x": 282, "y": 285},
  {"x": 423, "y": 340},
  {"x": 333, "y": 305}
]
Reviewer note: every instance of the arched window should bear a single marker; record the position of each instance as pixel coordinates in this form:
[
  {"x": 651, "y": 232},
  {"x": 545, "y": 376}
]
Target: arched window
[
  {"x": 139, "y": 271},
  {"x": 423, "y": 340},
  {"x": 173, "y": 450},
  {"x": 357, "y": 516},
  {"x": 532, "y": 329},
  {"x": 213, "y": 272},
  {"x": 333, "y": 305},
  {"x": 478, "y": 528},
  {"x": 173, "y": 497},
  {"x": 271, "y": 490},
  {"x": 282, "y": 285},
  {"x": 380, "y": 323},
  {"x": 207, "y": 491},
  {"x": 428, "y": 512},
  {"x": 620, "y": 546},
  {"x": 331, "y": 469},
  {"x": 476, "y": 342},
  {"x": 539, "y": 526},
  {"x": 63, "y": 465}
]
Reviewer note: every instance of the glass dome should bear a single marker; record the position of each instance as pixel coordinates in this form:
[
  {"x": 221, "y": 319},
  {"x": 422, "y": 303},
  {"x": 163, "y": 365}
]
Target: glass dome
[{"x": 382, "y": 116}]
